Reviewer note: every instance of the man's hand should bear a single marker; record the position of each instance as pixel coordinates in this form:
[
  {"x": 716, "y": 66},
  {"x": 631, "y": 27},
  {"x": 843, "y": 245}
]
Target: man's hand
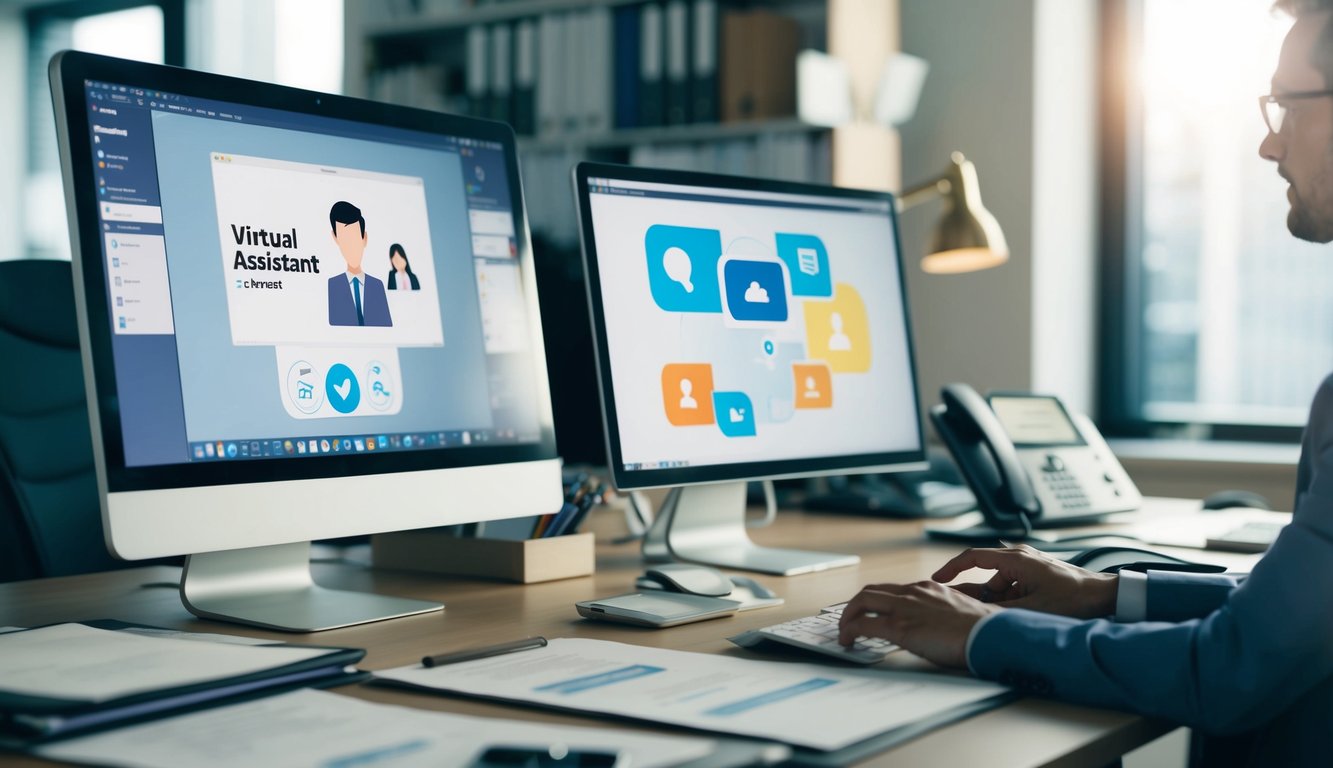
[
  {"x": 926, "y": 618},
  {"x": 1027, "y": 578}
]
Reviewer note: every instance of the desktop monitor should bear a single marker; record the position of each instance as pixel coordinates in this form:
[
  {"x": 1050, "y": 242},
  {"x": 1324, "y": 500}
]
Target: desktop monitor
[
  {"x": 745, "y": 329},
  {"x": 302, "y": 316}
]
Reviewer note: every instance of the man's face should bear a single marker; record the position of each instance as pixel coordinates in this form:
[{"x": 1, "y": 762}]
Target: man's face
[
  {"x": 1303, "y": 149},
  {"x": 352, "y": 244}
]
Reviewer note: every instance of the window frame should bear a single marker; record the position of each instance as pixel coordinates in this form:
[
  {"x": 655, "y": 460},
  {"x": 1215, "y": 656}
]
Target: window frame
[
  {"x": 173, "y": 20},
  {"x": 1121, "y": 369}
]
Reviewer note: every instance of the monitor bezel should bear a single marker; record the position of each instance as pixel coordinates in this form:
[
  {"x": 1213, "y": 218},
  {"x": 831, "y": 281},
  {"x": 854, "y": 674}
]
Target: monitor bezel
[
  {"x": 716, "y": 473},
  {"x": 68, "y": 72}
]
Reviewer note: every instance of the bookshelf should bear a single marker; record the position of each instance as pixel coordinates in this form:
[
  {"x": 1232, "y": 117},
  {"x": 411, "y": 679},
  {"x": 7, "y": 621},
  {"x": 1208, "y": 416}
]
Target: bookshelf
[{"x": 559, "y": 71}]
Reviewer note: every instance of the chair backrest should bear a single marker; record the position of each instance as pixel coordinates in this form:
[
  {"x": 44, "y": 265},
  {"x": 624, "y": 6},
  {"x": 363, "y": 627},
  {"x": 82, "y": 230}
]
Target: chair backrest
[{"x": 50, "y": 518}]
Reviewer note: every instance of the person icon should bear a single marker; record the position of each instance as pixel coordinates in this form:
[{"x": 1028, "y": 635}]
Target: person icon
[
  {"x": 811, "y": 389},
  {"x": 686, "y": 401},
  {"x": 355, "y": 298},
  {"x": 401, "y": 276},
  {"x": 839, "y": 341}
]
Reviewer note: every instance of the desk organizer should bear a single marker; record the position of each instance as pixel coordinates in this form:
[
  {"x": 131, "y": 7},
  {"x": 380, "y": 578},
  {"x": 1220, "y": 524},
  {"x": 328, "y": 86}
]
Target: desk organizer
[{"x": 436, "y": 551}]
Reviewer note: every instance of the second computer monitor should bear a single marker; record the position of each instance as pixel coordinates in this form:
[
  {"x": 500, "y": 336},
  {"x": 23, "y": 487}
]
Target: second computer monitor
[{"x": 746, "y": 329}]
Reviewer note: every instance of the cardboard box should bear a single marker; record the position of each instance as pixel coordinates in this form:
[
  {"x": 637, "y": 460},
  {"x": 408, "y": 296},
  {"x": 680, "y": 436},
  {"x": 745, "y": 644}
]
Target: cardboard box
[
  {"x": 758, "y": 69},
  {"x": 435, "y": 551}
]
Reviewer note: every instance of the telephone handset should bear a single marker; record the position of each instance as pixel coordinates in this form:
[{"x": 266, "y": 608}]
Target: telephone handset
[{"x": 1028, "y": 461}]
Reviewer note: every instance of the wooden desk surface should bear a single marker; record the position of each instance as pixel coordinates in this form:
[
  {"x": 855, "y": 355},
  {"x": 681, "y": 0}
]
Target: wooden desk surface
[{"x": 1030, "y": 732}]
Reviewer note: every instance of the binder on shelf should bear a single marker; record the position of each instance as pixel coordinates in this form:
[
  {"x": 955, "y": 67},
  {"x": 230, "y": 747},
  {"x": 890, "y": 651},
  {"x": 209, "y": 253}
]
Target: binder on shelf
[
  {"x": 677, "y": 62},
  {"x": 597, "y": 58},
  {"x": 757, "y": 77},
  {"x": 625, "y": 21},
  {"x": 43, "y": 707},
  {"x": 525, "y": 77},
  {"x": 572, "y": 75},
  {"x": 703, "y": 74},
  {"x": 550, "y": 88},
  {"x": 478, "y": 90},
  {"x": 500, "y": 74},
  {"x": 652, "y": 99}
]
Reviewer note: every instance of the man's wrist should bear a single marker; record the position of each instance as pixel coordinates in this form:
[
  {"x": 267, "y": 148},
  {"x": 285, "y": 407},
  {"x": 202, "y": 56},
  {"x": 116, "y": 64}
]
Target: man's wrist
[{"x": 1108, "y": 595}]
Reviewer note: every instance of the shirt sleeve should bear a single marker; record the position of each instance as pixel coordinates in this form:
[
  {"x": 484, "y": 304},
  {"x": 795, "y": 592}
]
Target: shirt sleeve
[
  {"x": 1131, "y": 597},
  {"x": 971, "y": 637}
]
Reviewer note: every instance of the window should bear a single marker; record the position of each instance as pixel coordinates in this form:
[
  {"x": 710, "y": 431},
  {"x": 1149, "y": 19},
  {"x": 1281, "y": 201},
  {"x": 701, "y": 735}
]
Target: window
[
  {"x": 1217, "y": 322},
  {"x": 293, "y": 42},
  {"x": 130, "y": 30}
]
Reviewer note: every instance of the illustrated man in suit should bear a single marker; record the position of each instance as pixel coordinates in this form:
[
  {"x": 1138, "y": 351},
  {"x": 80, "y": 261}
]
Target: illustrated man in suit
[
  {"x": 1247, "y": 663},
  {"x": 355, "y": 298}
]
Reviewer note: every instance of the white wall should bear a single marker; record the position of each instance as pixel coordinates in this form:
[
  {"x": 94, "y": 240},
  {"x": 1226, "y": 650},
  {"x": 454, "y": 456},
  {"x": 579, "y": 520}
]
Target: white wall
[
  {"x": 978, "y": 99},
  {"x": 1064, "y": 201},
  {"x": 1012, "y": 86}
]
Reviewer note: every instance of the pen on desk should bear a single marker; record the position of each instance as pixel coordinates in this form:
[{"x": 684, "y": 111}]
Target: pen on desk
[{"x": 526, "y": 644}]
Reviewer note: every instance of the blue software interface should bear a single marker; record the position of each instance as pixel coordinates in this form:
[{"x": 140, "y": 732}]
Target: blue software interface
[
  {"x": 282, "y": 284},
  {"x": 747, "y": 326}
]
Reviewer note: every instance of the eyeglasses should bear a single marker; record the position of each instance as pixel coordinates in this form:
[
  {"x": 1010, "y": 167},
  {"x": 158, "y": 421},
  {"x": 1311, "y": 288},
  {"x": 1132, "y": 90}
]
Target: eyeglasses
[{"x": 1274, "y": 106}]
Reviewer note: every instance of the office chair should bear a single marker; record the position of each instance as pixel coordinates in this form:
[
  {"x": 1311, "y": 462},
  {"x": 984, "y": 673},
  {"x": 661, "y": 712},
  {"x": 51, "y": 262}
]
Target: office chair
[{"x": 50, "y": 519}]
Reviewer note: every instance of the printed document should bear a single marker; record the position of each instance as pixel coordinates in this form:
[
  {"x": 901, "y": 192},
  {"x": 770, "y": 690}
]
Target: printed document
[
  {"x": 317, "y": 728},
  {"x": 763, "y": 699}
]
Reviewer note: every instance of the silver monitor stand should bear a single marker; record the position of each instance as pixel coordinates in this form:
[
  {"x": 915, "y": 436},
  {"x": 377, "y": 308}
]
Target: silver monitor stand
[
  {"x": 706, "y": 524},
  {"x": 271, "y": 587}
]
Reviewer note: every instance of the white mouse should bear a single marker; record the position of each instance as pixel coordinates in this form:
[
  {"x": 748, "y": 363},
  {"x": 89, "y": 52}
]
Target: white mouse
[{"x": 683, "y": 577}]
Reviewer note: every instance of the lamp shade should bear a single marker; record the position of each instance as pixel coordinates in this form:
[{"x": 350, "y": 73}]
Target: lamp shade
[{"x": 968, "y": 237}]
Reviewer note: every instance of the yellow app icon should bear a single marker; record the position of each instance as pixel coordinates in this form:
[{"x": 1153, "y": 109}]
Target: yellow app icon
[{"x": 838, "y": 331}]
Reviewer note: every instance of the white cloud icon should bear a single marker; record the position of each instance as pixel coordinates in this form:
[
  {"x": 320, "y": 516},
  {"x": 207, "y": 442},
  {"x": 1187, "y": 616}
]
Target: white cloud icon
[{"x": 756, "y": 294}]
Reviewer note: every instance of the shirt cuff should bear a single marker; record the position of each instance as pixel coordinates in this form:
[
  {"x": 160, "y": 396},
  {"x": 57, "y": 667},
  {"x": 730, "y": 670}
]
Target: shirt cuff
[
  {"x": 971, "y": 636},
  {"x": 1131, "y": 597}
]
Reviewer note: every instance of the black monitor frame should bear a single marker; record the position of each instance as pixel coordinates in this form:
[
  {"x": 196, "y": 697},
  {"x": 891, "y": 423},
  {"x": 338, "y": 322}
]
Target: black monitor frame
[
  {"x": 629, "y": 479},
  {"x": 68, "y": 72}
]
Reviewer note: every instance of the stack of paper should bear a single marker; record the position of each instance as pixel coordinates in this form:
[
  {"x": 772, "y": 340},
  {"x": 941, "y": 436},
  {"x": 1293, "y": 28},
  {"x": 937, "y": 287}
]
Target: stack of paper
[
  {"x": 313, "y": 728},
  {"x": 71, "y": 678}
]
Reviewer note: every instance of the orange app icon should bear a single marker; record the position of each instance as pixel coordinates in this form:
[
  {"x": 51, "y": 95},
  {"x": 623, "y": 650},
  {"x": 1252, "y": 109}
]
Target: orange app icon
[
  {"x": 814, "y": 385},
  {"x": 687, "y": 393}
]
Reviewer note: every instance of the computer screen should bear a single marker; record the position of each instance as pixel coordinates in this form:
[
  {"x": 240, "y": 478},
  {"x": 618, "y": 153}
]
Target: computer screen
[
  {"x": 747, "y": 328},
  {"x": 285, "y": 285},
  {"x": 304, "y": 316}
]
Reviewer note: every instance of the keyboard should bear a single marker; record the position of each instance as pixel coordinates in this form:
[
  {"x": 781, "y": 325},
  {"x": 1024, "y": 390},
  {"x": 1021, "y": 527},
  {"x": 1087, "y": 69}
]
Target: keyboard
[{"x": 819, "y": 633}]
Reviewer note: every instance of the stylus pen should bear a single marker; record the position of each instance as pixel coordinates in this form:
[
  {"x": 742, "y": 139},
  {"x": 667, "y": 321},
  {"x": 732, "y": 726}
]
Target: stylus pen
[{"x": 525, "y": 644}]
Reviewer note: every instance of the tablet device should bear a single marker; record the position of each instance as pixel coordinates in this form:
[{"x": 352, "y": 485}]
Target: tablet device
[{"x": 656, "y": 609}]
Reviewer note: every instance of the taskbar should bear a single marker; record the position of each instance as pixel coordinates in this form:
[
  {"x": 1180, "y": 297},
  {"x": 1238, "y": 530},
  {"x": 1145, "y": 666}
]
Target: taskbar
[
  {"x": 331, "y": 445},
  {"x": 635, "y": 467}
]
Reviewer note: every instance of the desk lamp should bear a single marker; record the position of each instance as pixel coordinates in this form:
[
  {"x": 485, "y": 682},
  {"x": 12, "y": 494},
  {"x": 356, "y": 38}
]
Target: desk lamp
[{"x": 968, "y": 238}]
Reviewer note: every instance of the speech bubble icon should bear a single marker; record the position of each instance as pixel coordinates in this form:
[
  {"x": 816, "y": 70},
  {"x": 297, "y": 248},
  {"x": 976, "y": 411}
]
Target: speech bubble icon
[
  {"x": 682, "y": 268},
  {"x": 677, "y": 264}
]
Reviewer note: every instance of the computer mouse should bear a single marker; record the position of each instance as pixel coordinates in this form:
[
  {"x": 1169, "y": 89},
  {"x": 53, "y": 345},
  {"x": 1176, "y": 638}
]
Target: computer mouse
[
  {"x": 1234, "y": 498},
  {"x": 1112, "y": 559},
  {"x": 684, "y": 577}
]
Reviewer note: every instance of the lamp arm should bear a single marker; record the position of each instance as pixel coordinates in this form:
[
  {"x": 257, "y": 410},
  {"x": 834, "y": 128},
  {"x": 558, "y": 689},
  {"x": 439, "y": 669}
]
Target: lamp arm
[{"x": 927, "y": 190}]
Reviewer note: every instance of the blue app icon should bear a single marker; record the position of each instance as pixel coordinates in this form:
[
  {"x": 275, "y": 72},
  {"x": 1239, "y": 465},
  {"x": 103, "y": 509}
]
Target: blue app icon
[
  {"x": 735, "y": 414},
  {"x": 756, "y": 290},
  {"x": 231, "y": 450},
  {"x": 807, "y": 261},
  {"x": 341, "y": 388},
  {"x": 682, "y": 267}
]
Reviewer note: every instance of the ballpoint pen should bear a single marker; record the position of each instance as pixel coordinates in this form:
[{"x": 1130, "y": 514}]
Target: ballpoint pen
[{"x": 527, "y": 643}]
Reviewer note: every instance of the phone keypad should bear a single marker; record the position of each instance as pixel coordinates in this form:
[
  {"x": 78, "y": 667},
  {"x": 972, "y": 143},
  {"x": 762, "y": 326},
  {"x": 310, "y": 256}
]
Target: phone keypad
[{"x": 1066, "y": 489}]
